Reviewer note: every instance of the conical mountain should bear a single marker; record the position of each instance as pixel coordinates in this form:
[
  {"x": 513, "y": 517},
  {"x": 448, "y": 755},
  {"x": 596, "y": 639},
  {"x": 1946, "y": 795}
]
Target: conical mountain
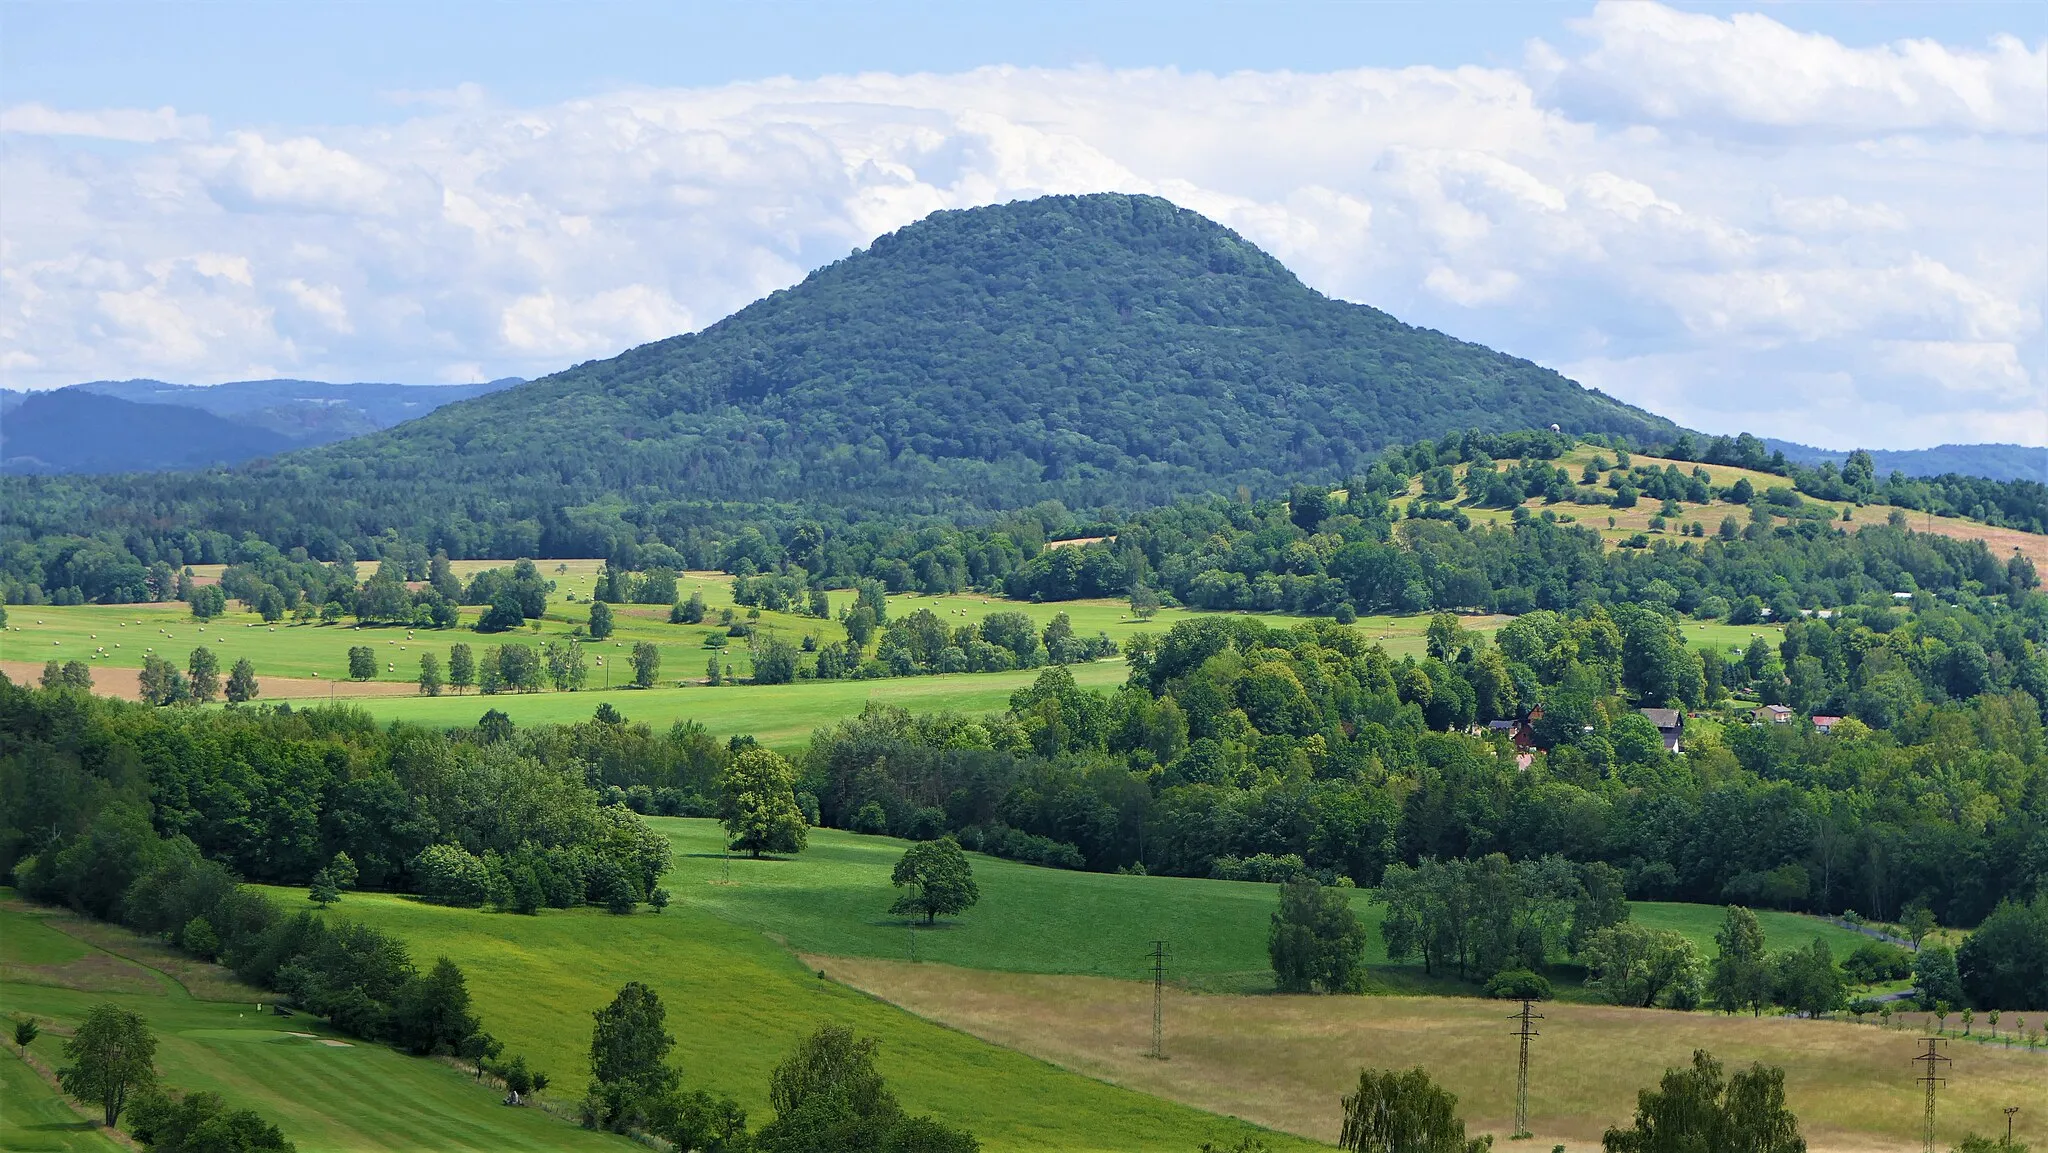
[{"x": 1094, "y": 349}]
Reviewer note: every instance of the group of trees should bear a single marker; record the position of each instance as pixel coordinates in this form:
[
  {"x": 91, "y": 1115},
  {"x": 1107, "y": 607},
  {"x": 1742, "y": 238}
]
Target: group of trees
[
  {"x": 827, "y": 1094},
  {"x": 89, "y": 785},
  {"x": 162, "y": 683}
]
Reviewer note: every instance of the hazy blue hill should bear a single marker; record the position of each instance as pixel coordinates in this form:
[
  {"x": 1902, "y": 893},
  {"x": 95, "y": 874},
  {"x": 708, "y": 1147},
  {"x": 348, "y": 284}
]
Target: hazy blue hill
[
  {"x": 309, "y": 412},
  {"x": 1993, "y": 461},
  {"x": 69, "y": 430}
]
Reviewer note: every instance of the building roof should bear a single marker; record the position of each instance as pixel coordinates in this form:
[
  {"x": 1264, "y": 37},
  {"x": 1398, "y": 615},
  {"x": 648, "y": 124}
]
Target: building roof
[
  {"x": 1824, "y": 722},
  {"x": 1662, "y": 718}
]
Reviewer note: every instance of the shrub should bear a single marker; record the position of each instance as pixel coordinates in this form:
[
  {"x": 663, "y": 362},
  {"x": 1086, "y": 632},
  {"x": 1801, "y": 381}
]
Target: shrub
[{"x": 1519, "y": 985}]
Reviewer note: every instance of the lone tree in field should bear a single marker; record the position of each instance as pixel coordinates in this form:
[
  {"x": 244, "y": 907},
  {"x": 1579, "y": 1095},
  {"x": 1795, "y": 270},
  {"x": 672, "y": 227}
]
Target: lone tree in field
[
  {"x": 1316, "y": 942},
  {"x": 242, "y": 687},
  {"x": 430, "y": 675},
  {"x": 600, "y": 620},
  {"x": 1404, "y": 1113},
  {"x": 646, "y": 664},
  {"x": 1741, "y": 975},
  {"x": 110, "y": 1058},
  {"x": 936, "y": 879},
  {"x": 1695, "y": 1109},
  {"x": 630, "y": 1079},
  {"x": 26, "y": 1031},
  {"x": 757, "y": 802},
  {"x": 362, "y": 662}
]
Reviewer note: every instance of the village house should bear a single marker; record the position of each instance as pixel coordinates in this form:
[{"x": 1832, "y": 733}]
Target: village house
[
  {"x": 1775, "y": 714},
  {"x": 1670, "y": 725},
  {"x": 1825, "y": 724}
]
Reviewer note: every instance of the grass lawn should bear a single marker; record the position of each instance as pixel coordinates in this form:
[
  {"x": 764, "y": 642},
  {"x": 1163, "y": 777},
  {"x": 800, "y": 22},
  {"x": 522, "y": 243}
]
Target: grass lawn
[
  {"x": 779, "y": 716},
  {"x": 737, "y": 1001},
  {"x": 1285, "y": 1061},
  {"x": 834, "y": 899},
  {"x": 328, "y": 1098},
  {"x": 34, "y": 1119}
]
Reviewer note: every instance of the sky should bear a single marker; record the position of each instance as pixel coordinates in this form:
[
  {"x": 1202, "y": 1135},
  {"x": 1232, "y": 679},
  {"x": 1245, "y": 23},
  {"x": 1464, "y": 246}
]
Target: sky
[{"x": 1826, "y": 222}]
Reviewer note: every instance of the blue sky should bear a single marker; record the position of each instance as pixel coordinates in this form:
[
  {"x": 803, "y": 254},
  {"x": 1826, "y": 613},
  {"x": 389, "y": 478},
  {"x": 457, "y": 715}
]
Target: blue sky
[
  {"x": 1827, "y": 222},
  {"x": 324, "y": 63}
]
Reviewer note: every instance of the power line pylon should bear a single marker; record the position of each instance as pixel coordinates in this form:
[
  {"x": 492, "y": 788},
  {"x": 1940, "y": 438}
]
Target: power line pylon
[
  {"x": 1158, "y": 1000},
  {"x": 1931, "y": 1061},
  {"x": 1525, "y": 1028}
]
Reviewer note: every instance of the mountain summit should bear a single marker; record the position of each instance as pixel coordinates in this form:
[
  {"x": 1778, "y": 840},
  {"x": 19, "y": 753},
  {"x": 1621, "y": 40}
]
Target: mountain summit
[{"x": 1094, "y": 349}]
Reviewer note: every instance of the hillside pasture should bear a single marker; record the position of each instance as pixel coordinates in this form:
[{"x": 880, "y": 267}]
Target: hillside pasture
[
  {"x": 737, "y": 1001},
  {"x": 833, "y": 899},
  {"x": 328, "y": 1094},
  {"x": 1285, "y": 1061}
]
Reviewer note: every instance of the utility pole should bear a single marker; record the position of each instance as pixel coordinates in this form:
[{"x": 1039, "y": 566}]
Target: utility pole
[
  {"x": 1932, "y": 1060},
  {"x": 1525, "y": 1028},
  {"x": 1158, "y": 1000}
]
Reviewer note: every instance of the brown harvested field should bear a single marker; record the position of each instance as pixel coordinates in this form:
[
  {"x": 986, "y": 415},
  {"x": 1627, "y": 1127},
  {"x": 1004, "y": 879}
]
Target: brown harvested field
[
  {"x": 109, "y": 681},
  {"x": 1284, "y": 1062}
]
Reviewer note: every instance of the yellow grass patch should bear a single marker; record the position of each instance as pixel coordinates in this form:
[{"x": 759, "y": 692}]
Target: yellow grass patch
[{"x": 1284, "y": 1062}]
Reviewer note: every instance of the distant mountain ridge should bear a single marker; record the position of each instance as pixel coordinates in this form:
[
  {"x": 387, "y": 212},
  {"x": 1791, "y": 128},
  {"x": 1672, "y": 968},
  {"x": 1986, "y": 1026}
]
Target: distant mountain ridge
[
  {"x": 58, "y": 431},
  {"x": 1991, "y": 461}
]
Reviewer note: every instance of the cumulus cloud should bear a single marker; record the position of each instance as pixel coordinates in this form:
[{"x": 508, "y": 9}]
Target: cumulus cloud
[
  {"x": 132, "y": 125},
  {"x": 1868, "y": 269}
]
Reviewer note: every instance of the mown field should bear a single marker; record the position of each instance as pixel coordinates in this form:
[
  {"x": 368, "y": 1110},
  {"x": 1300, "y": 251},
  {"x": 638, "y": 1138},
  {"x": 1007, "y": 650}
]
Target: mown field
[
  {"x": 834, "y": 899},
  {"x": 737, "y": 1001},
  {"x": 1285, "y": 1061},
  {"x": 328, "y": 1096}
]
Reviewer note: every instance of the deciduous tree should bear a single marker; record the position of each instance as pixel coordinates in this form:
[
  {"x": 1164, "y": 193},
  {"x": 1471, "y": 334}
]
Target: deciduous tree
[
  {"x": 109, "y": 1059},
  {"x": 937, "y": 879},
  {"x": 757, "y": 802}
]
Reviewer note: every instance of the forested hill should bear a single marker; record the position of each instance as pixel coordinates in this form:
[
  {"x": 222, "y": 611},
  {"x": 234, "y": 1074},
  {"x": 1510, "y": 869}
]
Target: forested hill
[
  {"x": 1099, "y": 348},
  {"x": 1091, "y": 349}
]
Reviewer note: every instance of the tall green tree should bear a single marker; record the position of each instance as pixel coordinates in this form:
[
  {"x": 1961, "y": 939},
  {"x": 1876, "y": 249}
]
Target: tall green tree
[
  {"x": 461, "y": 667},
  {"x": 202, "y": 675},
  {"x": 757, "y": 803},
  {"x": 160, "y": 682},
  {"x": 630, "y": 1078},
  {"x": 600, "y": 620},
  {"x": 1741, "y": 975},
  {"x": 430, "y": 674},
  {"x": 1697, "y": 1110},
  {"x": 937, "y": 880},
  {"x": 1316, "y": 942},
  {"x": 362, "y": 662},
  {"x": 1807, "y": 981},
  {"x": 431, "y": 1013},
  {"x": 828, "y": 1096},
  {"x": 1935, "y": 977},
  {"x": 242, "y": 686},
  {"x": 646, "y": 664},
  {"x": 1634, "y": 965},
  {"x": 109, "y": 1059},
  {"x": 1394, "y": 1112}
]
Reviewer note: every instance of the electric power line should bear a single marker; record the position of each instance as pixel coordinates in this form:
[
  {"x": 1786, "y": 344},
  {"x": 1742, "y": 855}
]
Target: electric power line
[
  {"x": 1525, "y": 1028},
  {"x": 1158, "y": 1000},
  {"x": 1932, "y": 1060}
]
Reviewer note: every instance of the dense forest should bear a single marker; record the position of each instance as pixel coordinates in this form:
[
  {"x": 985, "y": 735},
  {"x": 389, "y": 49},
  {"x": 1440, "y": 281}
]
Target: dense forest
[{"x": 1084, "y": 349}]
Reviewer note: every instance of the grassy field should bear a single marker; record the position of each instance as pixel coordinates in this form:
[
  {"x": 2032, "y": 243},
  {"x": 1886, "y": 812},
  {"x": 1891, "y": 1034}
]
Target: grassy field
[
  {"x": 779, "y": 716},
  {"x": 34, "y": 1119},
  {"x": 736, "y": 1003},
  {"x": 834, "y": 899},
  {"x": 328, "y": 1096},
  {"x": 1284, "y": 1061},
  {"x": 310, "y": 661},
  {"x": 1628, "y": 522}
]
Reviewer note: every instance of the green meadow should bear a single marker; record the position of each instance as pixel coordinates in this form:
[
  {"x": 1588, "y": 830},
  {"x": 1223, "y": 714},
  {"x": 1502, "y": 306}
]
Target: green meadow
[
  {"x": 328, "y": 1095},
  {"x": 834, "y": 898},
  {"x": 737, "y": 1001}
]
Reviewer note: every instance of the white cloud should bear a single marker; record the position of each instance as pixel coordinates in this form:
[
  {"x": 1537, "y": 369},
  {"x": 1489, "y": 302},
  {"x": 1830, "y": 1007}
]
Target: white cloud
[
  {"x": 1668, "y": 65},
  {"x": 133, "y": 125},
  {"x": 1861, "y": 235}
]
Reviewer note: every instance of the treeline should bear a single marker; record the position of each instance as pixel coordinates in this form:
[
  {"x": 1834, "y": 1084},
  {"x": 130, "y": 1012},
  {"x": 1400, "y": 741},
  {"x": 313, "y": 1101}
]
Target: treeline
[
  {"x": 1330, "y": 544},
  {"x": 1235, "y": 744},
  {"x": 277, "y": 794}
]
